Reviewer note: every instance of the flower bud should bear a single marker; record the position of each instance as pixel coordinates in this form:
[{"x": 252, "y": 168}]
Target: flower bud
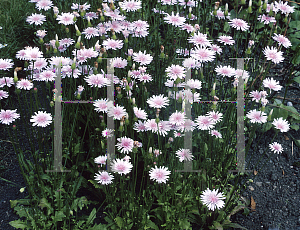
[
  {"x": 56, "y": 41},
  {"x": 16, "y": 77},
  {"x": 89, "y": 22},
  {"x": 226, "y": 10},
  {"x": 51, "y": 103},
  {"x": 271, "y": 10},
  {"x": 265, "y": 5},
  {"x": 243, "y": 2},
  {"x": 77, "y": 45}
]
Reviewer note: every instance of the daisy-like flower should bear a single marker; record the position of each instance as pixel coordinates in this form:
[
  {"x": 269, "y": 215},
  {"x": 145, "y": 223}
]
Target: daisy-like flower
[
  {"x": 120, "y": 166},
  {"x": 5, "y": 64},
  {"x": 90, "y": 32},
  {"x": 131, "y": 5},
  {"x": 39, "y": 64},
  {"x": 257, "y": 116},
  {"x": 276, "y": 147},
  {"x": 174, "y": 20},
  {"x": 160, "y": 175},
  {"x": 151, "y": 125},
  {"x": 241, "y": 73},
  {"x": 239, "y": 24},
  {"x": 177, "y": 118},
  {"x": 266, "y": 19},
  {"x": 282, "y": 40},
  {"x": 101, "y": 160},
  {"x": 47, "y": 75},
  {"x": 205, "y": 123},
  {"x": 225, "y": 71},
  {"x": 256, "y": 96},
  {"x": 41, "y": 119},
  {"x": 158, "y": 102},
  {"x": 119, "y": 63},
  {"x": 213, "y": 199},
  {"x": 284, "y": 7},
  {"x": 281, "y": 124},
  {"x": 3, "y": 94},
  {"x": 184, "y": 155},
  {"x": 216, "y": 49},
  {"x": 203, "y": 54},
  {"x": 44, "y": 5},
  {"x": 200, "y": 39},
  {"x": 215, "y": 116},
  {"x": 272, "y": 84},
  {"x": 175, "y": 71},
  {"x": 168, "y": 2},
  {"x": 104, "y": 178},
  {"x": 139, "y": 126},
  {"x": 139, "y": 113},
  {"x": 163, "y": 128},
  {"x": 194, "y": 84},
  {"x": 142, "y": 58},
  {"x": 66, "y": 19},
  {"x": 227, "y": 40},
  {"x": 8, "y": 116},
  {"x": 116, "y": 111},
  {"x": 97, "y": 80},
  {"x": 33, "y": 53},
  {"x": 6, "y": 81},
  {"x": 145, "y": 78},
  {"x": 125, "y": 145},
  {"x": 107, "y": 133},
  {"x": 112, "y": 44},
  {"x": 189, "y": 28},
  {"x": 220, "y": 14},
  {"x": 37, "y": 19},
  {"x": 24, "y": 84},
  {"x": 215, "y": 133},
  {"x": 273, "y": 55},
  {"x": 101, "y": 105}
]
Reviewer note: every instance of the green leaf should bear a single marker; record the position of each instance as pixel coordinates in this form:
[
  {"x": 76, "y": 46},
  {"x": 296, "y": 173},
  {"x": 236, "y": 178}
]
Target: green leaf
[
  {"x": 297, "y": 142},
  {"x": 297, "y": 79},
  {"x": 151, "y": 225},
  {"x": 234, "y": 225},
  {"x": 294, "y": 126},
  {"x": 45, "y": 204},
  {"x": 18, "y": 224},
  {"x": 59, "y": 215},
  {"x": 259, "y": 25},
  {"x": 184, "y": 224},
  {"x": 294, "y": 24},
  {"x": 218, "y": 226},
  {"x": 267, "y": 126},
  {"x": 119, "y": 221},
  {"x": 76, "y": 148},
  {"x": 92, "y": 217},
  {"x": 226, "y": 27},
  {"x": 291, "y": 112}
]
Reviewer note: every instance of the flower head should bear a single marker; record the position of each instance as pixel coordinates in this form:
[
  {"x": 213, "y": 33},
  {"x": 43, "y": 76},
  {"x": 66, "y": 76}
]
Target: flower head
[
  {"x": 101, "y": 160},
  {"x": 158, "y": 101},
  {"x": 160, "y": 175},
  {"x": 5, "y": 64},
  {"x": 104, "y": 178},
  {"x": 276, "y": 147},
  {"x": 37, "y": 19},
  {"x": 273, "y": 55},
  {"x": 41, "y": 119},
  {"x": 125, "y": 144},
  {"x": 281, "y": 124},
  {"x": 8, "y": 116},
  {"x": 66, "y": 19},
  {"x": 184, "y": 154},
  {"x": 239, "y": 24},
  {"x": 272, "y": 84},
  {"x": 213, "y": 199},
  {"x": 120, "y": 166}
]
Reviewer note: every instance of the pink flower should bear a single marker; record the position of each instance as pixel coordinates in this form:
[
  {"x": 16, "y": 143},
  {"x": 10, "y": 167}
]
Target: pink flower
[
  {"x": 33, "y": 53},
  {"x": 6, "y": 81},
  {"x": 241, "y": 73},
  {"x": 215, "y": 133},
  {"x": 205, "y": 122},
  {"x": 142, "y": 58},
  {"x": 41, "y": 119},
  {"x": 216, "y": 49},
  {"x": 90, "y": 32},
  {"x": 213, "y": 199},
  {"x": 184, "y": 155},
  {"x": 256, "y": 96},
  {"x": 200, "y": 39},
  {"x": 44, "y": 5},
  {"x": 121, "y": 166},
  {"x": 227, "y": 40},
  {"x": 276, "y": 147},
  {"x": 160, "y": 175},
  {"x": 139, "y": 113},
  {"x": 203, "y": 54},
  {"x": 158, "y": 101},
  {"x": 177, "y": 118},
  {"x": 125, "y": 145},
  {"x": 266, "y": 19},
  {"x": 24, "y": 84},
  {"x": 119, "y": 63},
  {"x": 225, "y": 71},
  {"x": 273, "y": 55},
  {"x": 239, "y": 24},
  {"x": 130, "y": 5},
  {"x": 101, "y": 105},
  {"x": 194, "y": 84},
  {"x": 139, "y": 126},
  {"x": 282, "y": 40},
  {"x": 151, "y": 125},
  {"x": 47, "y": 75},
  {"x": 284, "y": 7},
  {"x": 174, "y": 20},
  {"x": 37, "y": 19},
  {"x": 145, "y": 77},
  {"x": 257, "y": 116},
  {"x": 8, "y": 116},
  {"x": 116, "y": 111},
  {"x": 215, "y": 116},
  {"x": 104, "y": 178},
  {"x": 163, "y": 128},
  {"x": 101, "y": 160},
  {"x": 66, "y": 19},
  {"x": 281, "y": 124},
  {"x": 97, "y": 80},
  {"x": 107, "y": 133},
  {"x": 3, "y": 94},
  {"x": 5, "y": 64},
  {"x": 112, "y": 44},
  {"x": 175, "y": 71},
  {"x": 272, "y": 84}
]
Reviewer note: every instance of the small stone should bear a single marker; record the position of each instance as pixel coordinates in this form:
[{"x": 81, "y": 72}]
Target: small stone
[
  {"x": 251, "y": 188},
  {"x": 289, "y": 103},
  {"x": 259, "y": 184}
]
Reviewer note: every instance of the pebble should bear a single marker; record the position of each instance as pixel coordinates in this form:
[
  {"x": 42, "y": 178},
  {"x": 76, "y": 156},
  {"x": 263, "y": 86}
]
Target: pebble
[
  {"x": 259, "y": 184},
  {"x": 251, "y": 188},
  {"x": 289, "y": 103}
]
